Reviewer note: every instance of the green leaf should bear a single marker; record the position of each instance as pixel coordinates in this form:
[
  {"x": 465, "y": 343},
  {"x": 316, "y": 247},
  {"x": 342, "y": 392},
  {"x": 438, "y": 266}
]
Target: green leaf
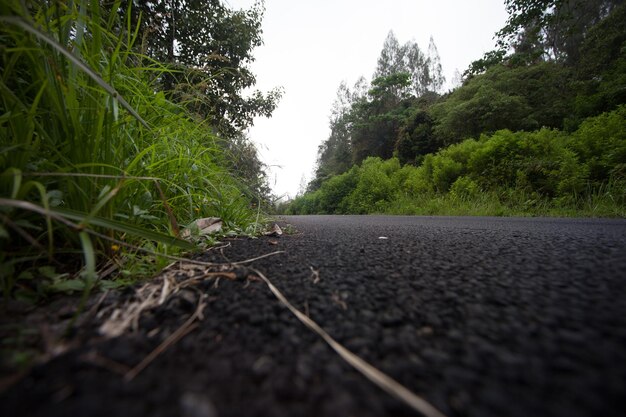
[
  {"x": 126, "y": 228},
  {"x": 48, "y": 272},
  {"x": 90, "y": 258},
  {"x": 68, "y": 285},
  {"x": 26, "y": 275},
  {"x": 4, "y": 234},
  {"x": 55, "y": 198},
  {"x": 18, "y": 21},
  {"x": 106, "y": 284}
]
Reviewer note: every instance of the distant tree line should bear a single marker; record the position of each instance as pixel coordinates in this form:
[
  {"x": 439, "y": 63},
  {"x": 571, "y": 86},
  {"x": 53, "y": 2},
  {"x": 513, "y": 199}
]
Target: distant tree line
[{"x": 557, "y": 64}]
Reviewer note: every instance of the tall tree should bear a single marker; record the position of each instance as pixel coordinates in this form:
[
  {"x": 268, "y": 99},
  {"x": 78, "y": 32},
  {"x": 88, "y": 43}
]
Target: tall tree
[
  {"x": 544, "y": 30},
  {"x": 335, "y": 153},
  {"x": 391, "y": 58},
  {"x": 210, "y": 48},
  {"x": 435, "y": 70},
  {"x": 377, "y": 119},
  {"x": 424, "y": 69}
]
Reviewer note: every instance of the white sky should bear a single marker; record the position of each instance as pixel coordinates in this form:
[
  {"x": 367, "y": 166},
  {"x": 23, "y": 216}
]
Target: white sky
[{"x": 310, "y": 46}]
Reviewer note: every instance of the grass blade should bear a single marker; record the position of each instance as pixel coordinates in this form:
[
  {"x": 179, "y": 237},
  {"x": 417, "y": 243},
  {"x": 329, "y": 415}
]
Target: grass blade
[{"x": 18, "y": 21}]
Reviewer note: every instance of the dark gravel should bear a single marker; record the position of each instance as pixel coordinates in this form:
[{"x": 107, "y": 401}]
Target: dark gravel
[{"x": 480, "y": 316}]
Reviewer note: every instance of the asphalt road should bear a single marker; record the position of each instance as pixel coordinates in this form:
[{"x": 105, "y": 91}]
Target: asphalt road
[{"x": 479, "y": 316}]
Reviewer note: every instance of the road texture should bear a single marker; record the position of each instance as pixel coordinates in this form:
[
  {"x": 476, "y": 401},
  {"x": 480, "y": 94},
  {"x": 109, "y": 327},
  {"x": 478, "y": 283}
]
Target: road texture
[{"x": 484, "y": 317}]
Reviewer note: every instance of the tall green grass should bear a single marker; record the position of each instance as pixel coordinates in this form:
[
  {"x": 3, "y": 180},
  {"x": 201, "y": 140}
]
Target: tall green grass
[{"x": 95, "y": 165}]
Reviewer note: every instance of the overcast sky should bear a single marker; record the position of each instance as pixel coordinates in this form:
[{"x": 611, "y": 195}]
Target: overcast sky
[{"x": 310, "y": 46}]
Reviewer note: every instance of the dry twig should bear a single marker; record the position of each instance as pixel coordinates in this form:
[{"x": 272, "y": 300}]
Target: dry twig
[
  {"x": 378, "y": 377},
  {"x": 186, "y": 328}
]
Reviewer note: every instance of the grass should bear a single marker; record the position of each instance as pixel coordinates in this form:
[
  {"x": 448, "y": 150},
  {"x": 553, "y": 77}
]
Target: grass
[
  {"x": 603, "y": 201},
  {"x": 96, "y": 167}
]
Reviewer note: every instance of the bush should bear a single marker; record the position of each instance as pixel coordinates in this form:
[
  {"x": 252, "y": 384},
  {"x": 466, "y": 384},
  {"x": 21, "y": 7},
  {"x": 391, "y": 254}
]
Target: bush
[
  {"x": 333, "y": 192},
  {"x": 600, "y": 143},
  {"x": 536, "y": 161},
  {"x": 418, "y": 181},
  {"x": 464, "y": 188},
  {"x": 540, "y": 172},
  {"x": 374, "y": 186},
  {"x": 452, "y": 162}
]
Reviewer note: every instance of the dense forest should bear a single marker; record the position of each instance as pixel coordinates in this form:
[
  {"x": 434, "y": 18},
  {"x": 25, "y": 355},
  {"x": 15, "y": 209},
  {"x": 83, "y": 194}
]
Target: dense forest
[
  {"x": 121, "y": 124},
  {"x": 537, "y": 127}
]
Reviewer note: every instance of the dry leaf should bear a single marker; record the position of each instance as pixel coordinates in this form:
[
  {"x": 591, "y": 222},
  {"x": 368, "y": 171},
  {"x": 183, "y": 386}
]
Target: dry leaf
[
  {"x": 276, "y": 231},
  {"x": 204, "y": 226}
]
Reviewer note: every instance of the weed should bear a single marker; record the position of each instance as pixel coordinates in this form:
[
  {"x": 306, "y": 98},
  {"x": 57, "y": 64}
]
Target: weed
[{"x": 95, "y": 165}]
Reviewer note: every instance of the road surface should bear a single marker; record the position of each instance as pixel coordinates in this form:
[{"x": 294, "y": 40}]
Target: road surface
[{"x": 479, "y": 316}]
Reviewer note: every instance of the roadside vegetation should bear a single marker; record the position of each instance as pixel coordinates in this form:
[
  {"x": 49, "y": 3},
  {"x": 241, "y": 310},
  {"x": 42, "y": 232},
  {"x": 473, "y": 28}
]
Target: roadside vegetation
[
  {"x": 535, "y": 127},
  {"x": 116, "y": 134}
]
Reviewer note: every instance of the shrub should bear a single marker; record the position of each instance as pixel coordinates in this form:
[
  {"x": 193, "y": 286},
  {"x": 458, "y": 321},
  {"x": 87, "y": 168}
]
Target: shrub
[
  {"x": 418, "y": 181},
  {"x": 450, "y": 163},
  {"x": 464, "y": 188},
  {"x": 374, "y": 186},
  {"x": 600, "y": 143},
  {"x": 333, "y": 192},
  {"x": 536, "y": 161}
]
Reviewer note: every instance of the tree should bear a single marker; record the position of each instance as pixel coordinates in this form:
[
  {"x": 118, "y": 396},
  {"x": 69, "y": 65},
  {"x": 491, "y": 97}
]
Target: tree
[
  {"x": 425, "y": 70},
  {"x": 366, "y": 120},
  {"x": 334, "y": 155},
  {"x": 416, "y": 138},
  {"x": 391, "y": 58},
  {"x": 209, "y": 47},
  {"x": 557, "y": 27},
  {"x": 435, "y": 70},
  {"x": 519, "y": 98},
  {"x": 376, "y": 120},
  {"x": 243, "y": 161},
  {"x": 544, "y": 30},
  {"x": 601, "y": 72}
]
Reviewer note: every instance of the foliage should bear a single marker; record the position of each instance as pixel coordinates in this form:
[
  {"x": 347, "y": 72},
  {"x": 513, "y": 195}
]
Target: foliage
[
  {"x": 424, "y": 72},
  {"x": 334, "y": 192},
  {"x": 95, "y": 166},
  {"x": 601, "y": 71},
  {"x": 208, "y": 48},
  {"x": 521, "y": 98},
  {"x": 601, "y": 143},
  {"x": 555, "y": 27},
  {"x": 545, "y": 172},
  {"x": 545, "y": 30},
  {"x": 545, "y": 111},
  {"x": 376, "y": 120},
  {"x": 385, "y": 117},
  {"x": 416, "y": 138},
  {"x": 536, "y": 162}
]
